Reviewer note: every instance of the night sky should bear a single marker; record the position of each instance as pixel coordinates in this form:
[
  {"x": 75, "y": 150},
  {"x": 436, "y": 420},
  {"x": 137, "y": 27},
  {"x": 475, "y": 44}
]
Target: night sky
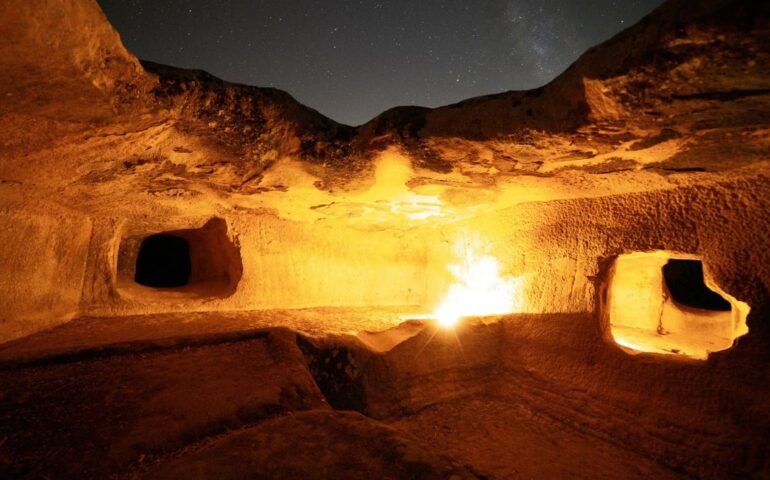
[{"x": 353, "y": 59}]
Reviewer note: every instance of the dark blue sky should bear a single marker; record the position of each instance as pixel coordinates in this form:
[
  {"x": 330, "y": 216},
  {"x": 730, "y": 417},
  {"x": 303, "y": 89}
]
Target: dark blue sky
[{"x": 353, "y": 59}]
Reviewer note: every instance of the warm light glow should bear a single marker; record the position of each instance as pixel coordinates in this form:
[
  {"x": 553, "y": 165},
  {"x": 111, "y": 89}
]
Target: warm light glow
[
  {"x": 479, "y": 288},
  {"x": 390, "y": 191},
  {"x": 643, "y": 316}
]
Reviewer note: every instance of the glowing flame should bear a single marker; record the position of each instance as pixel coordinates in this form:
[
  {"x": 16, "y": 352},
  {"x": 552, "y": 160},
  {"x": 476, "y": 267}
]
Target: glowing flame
[{"x": 479, "y": 289}]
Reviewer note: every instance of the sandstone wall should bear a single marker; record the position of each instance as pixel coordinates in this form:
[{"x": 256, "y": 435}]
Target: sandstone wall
[
  {"x": 564, "y": 247},
  {"x": 562, "y": 250},
  {"x": 42, "y": 263},
  {"x": 284, "y": 265}
]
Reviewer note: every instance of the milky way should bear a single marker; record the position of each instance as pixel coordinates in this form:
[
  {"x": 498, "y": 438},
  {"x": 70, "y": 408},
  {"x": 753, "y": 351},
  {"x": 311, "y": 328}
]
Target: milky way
[{"x": 353, "y": 59}]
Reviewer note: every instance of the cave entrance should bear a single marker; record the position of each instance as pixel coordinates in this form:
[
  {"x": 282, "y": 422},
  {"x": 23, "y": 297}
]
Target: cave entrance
[
  {"x": 163, "y": 261},
  {"x": 665, "y": 303},
  {"x": 202, "y": 262}
]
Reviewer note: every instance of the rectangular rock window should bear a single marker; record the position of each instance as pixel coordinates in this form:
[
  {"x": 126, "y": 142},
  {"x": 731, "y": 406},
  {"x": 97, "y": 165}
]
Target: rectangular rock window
[{"x": 664, "y": 303}]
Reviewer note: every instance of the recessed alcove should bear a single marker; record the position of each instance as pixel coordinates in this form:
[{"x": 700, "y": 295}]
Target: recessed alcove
[
  {"x": 666, "y": 303},
  {"x": 196, "y": 262}
]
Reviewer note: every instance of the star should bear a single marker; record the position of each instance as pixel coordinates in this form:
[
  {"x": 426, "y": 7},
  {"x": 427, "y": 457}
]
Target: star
[{"x": 353, "y": 59}]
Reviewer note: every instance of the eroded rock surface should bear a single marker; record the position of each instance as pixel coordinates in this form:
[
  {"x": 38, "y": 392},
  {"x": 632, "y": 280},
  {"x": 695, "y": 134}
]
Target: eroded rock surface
[{"x": 318, "y": 249}]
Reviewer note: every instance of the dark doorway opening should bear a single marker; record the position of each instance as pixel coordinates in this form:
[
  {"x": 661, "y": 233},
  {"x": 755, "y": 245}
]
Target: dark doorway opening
[
  {"x": 163, "y": 262},
  {"x": 684, "y": 280}
]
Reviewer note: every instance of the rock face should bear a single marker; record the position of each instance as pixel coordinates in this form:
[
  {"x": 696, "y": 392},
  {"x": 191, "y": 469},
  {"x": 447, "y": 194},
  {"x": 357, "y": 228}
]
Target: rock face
[
  {"x": 655, "y": 141},
  {"x": 100, "y": 150}
]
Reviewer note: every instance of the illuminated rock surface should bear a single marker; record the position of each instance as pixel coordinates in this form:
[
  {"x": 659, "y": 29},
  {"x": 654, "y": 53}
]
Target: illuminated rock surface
[{"x": 317, "y": 251}]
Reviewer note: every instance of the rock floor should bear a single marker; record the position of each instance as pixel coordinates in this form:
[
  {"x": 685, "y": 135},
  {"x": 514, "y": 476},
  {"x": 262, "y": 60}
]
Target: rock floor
[{"x": 245, "y": 404}]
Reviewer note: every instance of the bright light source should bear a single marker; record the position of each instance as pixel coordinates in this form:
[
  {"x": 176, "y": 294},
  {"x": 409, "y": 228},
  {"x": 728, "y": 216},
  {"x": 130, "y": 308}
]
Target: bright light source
[{"x": 479, "y": 289}]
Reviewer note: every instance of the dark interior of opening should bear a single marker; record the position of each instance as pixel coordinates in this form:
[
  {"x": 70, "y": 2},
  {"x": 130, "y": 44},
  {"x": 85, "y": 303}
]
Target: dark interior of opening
[
  {"x": 163, "y": 262},
  {"x": 684, "y": 280}
]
